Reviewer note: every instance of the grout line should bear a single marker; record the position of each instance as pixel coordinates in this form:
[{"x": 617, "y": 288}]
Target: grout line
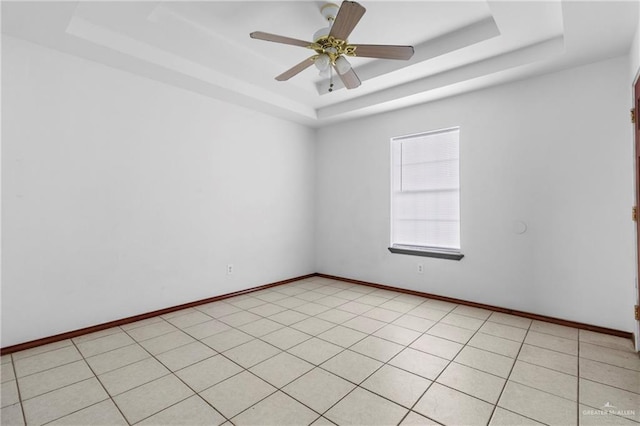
[{"x": 15, "y": 374}]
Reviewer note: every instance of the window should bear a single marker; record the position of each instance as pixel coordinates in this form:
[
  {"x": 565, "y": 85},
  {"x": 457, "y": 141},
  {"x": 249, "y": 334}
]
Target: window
[{"x": 425, "y": 194}]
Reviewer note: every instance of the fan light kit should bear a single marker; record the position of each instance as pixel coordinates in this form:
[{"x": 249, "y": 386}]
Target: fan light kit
[{"x": 331, "y": 45}]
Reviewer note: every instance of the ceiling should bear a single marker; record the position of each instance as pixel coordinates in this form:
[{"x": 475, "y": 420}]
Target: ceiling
[{"x": 205, "y": 46}]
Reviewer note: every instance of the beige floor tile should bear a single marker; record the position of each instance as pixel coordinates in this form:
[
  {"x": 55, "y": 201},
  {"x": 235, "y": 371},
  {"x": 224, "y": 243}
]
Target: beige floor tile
[
  {"x": 218, "y": 309},
  {"x": 397, "y": 334},
  {"x": 178, "y": 358},
  {"x": 607, "y": 340},
  {"x": 90, "y": 336},
  {"x": 288, "y": 317},
  {"x": 342, "y": 336},
  {"x": 505, "y": 331},
  {"x": 610, "y": 375},
  {"x": 59, "y": 403},
  {"x": 55, "y": 378},
  {"x": 322, "y": 421},
  {"x": 502, "y": 417},
  {"x": 428, "y": 312},
  {"x": 451, "y": 332},
  {"x": 247, "y": 303},
  {"x": 555, "y": 329},
  {"x": 315, "y": 351},
  {"x": 471, "y": 311},
  {"x": 7, "y": 372},
  {"x": 411, "y": 299},
  {"x": 395, "y": 305},
  {"x": 332, "y": 302},
  {"x": 104, "y": 344},
  {"x": 103, "y": 413},
  {"x": 377, "y": 348},
  {"x": 277, "y": 410},
  {"x": 348, "y": 294},
  {"x": 488, "y": 362},
  {"x": 207, "y": 373},
  {"x": 133, "y": 375},
  {"x": 372, "y": 300},
  {"x": 148, "y": 399},
  {"x": 550, "y": 359},
  {"x": 548, "y": 341},
  {"x": 239, "y": 318},
  {"x": 206, "y": 329},
  {"x": 381, "y": 314},
  {"x": 313, "y": 326},
  {"x": 251, "y": 353},
  {"x": 588, "y": 416},
  {"x": 398, "y": 385},
  {"x": 451, "y": 407},
  {"x": 12, "y": 415},
  {"x": 441, "y": 305},
  {"x": 132, "y": 325},
  {"x": 607, "y": 398},
  {"x": 260, "y": 327},
  {"x": 289, "y": 290},
  {"x": 311, "y": 308},
  {"x": 462, "y": 321},
  {"x": 291, "y": 302},
  {"x": 152, "y": 330},
  {"x": 112, "y": 360},
  {"x": 420, "y": 363},
  {"x": 237, "y": 393},
  {"x": 415, "y": 419},
  {"x": 166, "y": 342},
  {"x": 178, "y": 313},
  {"x": 310, "y": 296},
  {"x": 270, "y": 296},
  {"x": 351, "y": 366},
  {"x": 281, "y": 369},
  {"x": 319, "y": 389},
  {"x": 364, "y": 324},
  {"x": 414, "y": 323},
  {"x": 189, "y": 320},
  {"x": 387, "y": 294},
  {"x": 227, "y": 339},
  {"x": 354, "y": 307},
  {"x": 5, "y": 359},
  {"x": 45, "y": 361},
  {"x": 192, "y": 411},
  {"x": 495, "y": 344},
  {"x": 437, "y": 346},
  {"x": 328, "y": 290},
  {"x": 511, "y": 320},
  {"x": 544, "y": 379},
  {"x": 538, "y": 405},
  {"x": 285, "y": 338},
  {"x": 267, "y": 309},
  {"x": 9, "y": 393},
  {"x": 624, "y": 359},
  {"x": 362, "y": 407},
  {"x": 484, "y": 386}
]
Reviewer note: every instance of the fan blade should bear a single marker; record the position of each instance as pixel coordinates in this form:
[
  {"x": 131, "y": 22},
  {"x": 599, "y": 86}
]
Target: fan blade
[
  {"x": 295, "y": 69},
  {"x": 383, "y": 51},
  {"x": 279, "y": 39},
  {"x": 350, "y": 79},
  {"x": 348, "y": 17}
]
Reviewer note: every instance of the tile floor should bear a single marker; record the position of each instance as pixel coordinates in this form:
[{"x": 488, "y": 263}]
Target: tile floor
[{"x": 325, "y": 352}]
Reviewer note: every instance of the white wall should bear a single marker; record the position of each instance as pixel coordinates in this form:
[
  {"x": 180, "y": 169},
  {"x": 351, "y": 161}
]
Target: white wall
[
  {"x": 122, "y": 195},
  {"x": 554, "y": 152}
]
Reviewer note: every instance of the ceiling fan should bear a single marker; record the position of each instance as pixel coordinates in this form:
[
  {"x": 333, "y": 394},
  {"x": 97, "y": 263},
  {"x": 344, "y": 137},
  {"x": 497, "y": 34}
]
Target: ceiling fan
[{"x": 331, "y": 45}]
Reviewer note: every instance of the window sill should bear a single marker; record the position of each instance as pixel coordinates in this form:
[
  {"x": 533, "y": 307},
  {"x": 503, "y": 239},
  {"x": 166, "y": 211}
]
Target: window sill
[{"x": 427, "y": 253}]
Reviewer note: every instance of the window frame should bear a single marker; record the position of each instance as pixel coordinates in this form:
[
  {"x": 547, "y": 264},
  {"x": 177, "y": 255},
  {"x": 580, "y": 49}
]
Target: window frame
[{"x": 425, "y": 251}]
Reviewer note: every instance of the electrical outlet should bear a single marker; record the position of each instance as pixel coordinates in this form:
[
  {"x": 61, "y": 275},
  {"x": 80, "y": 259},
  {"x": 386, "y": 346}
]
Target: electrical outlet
[
  {"x": 420, "y": 268},
  {"x": 230, "y": 269}
]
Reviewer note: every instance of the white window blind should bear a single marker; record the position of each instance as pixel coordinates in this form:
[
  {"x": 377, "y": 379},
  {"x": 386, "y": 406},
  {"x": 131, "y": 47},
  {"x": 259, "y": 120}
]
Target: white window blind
[{"x": 425, "y": 191}]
